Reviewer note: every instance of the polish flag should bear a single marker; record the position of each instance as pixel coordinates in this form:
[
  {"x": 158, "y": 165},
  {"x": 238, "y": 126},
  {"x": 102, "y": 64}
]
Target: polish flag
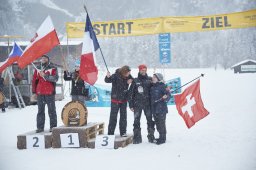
[
  {"x": 190, "y": 105},
  {"x": 44, "y": 40},
  {"x": 88, "y": 69},
  {"x": 13, "y": 57}
]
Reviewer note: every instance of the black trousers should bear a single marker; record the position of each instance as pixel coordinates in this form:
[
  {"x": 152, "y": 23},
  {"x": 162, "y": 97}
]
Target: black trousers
[
  {"x": 115, "y": 107},
  {"x": 160, "y": 120},
  {"x": 137, "y": 116},
  {"x": 48, "y": 100}
]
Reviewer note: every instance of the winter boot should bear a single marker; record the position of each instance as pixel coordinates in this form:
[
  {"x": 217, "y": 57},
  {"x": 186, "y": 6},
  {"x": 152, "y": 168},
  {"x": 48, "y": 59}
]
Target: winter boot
[
  {"x": 39, "y": 130},
  {"x": 151, "y": 137},
  {"x": 161, "y": 139},
  {"x": 124, "y": 135},
  {"x": 137, "y": 136}
]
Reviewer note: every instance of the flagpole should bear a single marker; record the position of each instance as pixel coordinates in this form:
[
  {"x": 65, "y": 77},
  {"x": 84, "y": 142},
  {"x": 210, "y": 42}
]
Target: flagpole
[
  {"x": 37, "y": 69},
  {"x": 202, "y": 75},
  {"x": 63, "y": 58},
  {"x": 99, "y": 46}
]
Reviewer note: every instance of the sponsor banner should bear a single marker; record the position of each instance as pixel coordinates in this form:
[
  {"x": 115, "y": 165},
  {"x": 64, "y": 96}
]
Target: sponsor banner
[
  {"x": 138, "y": 27},
  {"x": 117, "y": 28}
]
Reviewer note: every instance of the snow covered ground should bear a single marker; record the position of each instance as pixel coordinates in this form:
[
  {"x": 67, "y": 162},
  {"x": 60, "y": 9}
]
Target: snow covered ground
[{"x": 224, "y": 140}]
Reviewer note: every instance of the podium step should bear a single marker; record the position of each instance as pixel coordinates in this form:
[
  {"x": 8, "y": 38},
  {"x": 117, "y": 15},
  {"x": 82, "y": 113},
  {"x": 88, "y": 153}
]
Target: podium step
[
  {"x": 22, "y": 139},
  {"x": 119, "y": 142},
  {"x": 85, "y": 133}
]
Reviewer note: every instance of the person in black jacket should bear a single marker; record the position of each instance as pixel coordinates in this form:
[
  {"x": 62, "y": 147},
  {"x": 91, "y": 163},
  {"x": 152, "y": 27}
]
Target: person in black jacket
[
  {"x": 78, "y": 90},
  {"x": 119, "y": 96},
  {"x": 140, "y": 100},
  {"x": 159, "y": 98},
  {"x": 1, "y": 90}
]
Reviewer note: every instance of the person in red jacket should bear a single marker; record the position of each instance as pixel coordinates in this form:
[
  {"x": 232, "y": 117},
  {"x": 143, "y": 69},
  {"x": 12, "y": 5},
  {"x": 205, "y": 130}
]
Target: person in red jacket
[{"x": 43, "y": 85}]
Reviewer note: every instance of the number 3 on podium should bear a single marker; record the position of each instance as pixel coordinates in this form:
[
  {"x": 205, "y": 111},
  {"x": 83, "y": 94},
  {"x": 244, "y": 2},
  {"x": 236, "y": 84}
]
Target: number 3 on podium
[{"x": 105, "y": 142}]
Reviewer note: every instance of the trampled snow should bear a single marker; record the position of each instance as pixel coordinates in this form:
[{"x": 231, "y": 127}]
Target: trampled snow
[{"x": 224, "y": 140}]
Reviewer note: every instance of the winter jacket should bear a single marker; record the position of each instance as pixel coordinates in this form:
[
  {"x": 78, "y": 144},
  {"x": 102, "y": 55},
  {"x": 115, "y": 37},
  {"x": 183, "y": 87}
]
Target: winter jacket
[
  {"x": 139, "y": 94},
  {"x": 158, "y": 104},
  {"x": 1, "y": 84},
  {"x": 45, "y": 85},
  {"x": 78, "y": 86},
  {"x": 119, "y": 92}
]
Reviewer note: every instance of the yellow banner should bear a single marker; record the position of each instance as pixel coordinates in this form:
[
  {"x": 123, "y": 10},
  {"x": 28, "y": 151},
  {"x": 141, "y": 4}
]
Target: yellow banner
[
  {"x": 117, "y": 28},
  {"x": 165, "y": 24},
  {"x": 208, "y": 23}
]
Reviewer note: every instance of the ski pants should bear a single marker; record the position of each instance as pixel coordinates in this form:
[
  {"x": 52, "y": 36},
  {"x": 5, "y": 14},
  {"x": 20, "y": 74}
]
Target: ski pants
[
  {"x": 48, "y": 100},
  {"x": 115, "y": 107}
]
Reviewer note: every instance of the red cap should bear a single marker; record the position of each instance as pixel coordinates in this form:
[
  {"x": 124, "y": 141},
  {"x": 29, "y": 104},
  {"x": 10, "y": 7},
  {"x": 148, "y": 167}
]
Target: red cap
[{"x": 142, "y": 66}]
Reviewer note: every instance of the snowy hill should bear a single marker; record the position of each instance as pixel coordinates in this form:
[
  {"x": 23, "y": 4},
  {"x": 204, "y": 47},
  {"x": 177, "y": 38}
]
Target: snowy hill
[
  {"x": 189, "y": 50},
  {"x": 224, "y": 140}
]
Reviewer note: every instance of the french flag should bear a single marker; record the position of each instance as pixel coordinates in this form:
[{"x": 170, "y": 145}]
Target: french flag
[
  {"x": 44, "y": 40},
  {"x": 13, "y": 57},
  {"x": 88, "y": 68}
]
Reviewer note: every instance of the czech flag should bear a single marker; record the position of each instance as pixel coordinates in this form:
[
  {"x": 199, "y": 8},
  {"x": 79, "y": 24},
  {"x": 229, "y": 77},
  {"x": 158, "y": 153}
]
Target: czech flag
[
  {"x": 44, "y": 40},
  {"x": 13, "y": 57},
  {"x": 88, "y": 68}
]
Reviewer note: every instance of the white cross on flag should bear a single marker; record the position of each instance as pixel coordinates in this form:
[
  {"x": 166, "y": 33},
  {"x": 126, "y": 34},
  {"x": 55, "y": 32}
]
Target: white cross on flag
[{"x": 190, "y": 105}]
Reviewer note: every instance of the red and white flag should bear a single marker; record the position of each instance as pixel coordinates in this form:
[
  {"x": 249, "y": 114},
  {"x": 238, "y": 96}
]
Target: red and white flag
[
  {"x": 44, "y": 40},
  {"x": 190, "y": 105},
  {"x": 88, "y": 69},
  {"x": 13, "y": 57}
]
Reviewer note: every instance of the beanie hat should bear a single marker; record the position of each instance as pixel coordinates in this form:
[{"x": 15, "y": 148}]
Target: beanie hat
[
  {"x": 142, "y": 66},
  {"x": 125, "y": 69},
  {"x": 159, "y": 76},
  {"x": 46, "y": 56}
]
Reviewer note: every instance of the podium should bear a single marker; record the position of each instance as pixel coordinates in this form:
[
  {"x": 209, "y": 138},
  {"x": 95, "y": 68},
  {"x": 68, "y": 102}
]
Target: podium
[
  {"x": 76, "y": 136},
  {"x": 75, "y": 133},
  {"x": 119, "y": 142},
  {"x": 34, "y": 140}
]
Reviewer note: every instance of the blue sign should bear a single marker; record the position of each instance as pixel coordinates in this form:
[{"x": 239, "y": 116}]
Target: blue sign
[
  {"x": 165, "y": 48},
  {"x": 174, "y": 85},
  {"x": 99, "y": 96}
]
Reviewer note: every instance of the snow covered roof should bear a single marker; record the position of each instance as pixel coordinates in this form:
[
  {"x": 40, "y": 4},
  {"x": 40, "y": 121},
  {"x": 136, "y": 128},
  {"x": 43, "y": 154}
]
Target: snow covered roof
[{"x": 244, "y": 61}]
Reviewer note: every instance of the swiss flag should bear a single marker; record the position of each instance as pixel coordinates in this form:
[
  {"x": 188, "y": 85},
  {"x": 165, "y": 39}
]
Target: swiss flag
[
  {"x": 190, "y": 105},
  {"x": 44, "y": 40},
  {"x": 88, "y": 68}
]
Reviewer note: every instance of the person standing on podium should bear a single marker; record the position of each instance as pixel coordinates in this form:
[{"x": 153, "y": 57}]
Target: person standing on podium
[
  {"x": 119, "y": 96},
  {"x": 43, "y": 85}
]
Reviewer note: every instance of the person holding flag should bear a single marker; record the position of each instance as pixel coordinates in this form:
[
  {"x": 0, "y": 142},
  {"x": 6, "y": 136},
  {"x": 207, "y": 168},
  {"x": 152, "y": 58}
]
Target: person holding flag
[
  {"x": 159, "y": 97},
  {"x": 46, "y": 75},
  {"x": 119, "y": 96},
  {"x": 43, "y": 85},
  {"x": 78, "y": 90}
]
